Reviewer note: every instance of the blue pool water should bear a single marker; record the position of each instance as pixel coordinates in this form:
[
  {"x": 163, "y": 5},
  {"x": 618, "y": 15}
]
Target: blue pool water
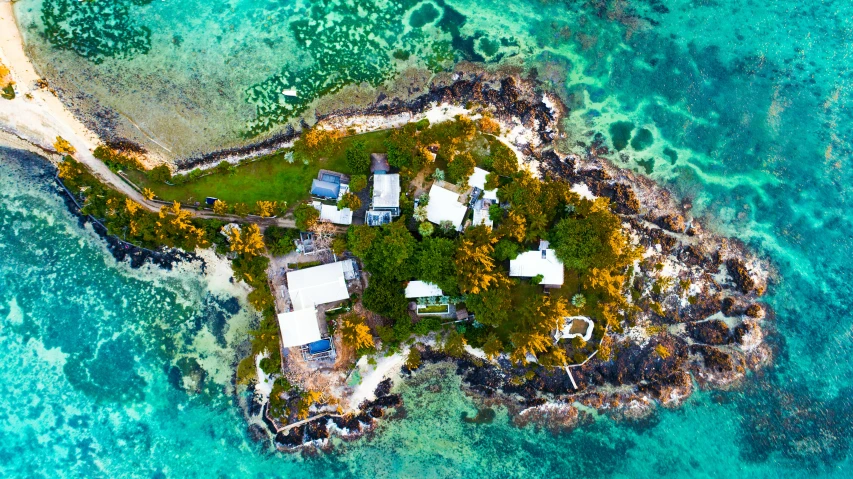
[{"x": 319, "y": 346}]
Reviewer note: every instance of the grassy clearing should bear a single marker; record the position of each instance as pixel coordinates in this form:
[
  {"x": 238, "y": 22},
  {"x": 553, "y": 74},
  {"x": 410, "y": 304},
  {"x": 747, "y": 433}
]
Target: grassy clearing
[{"x": 270, "y": 178}]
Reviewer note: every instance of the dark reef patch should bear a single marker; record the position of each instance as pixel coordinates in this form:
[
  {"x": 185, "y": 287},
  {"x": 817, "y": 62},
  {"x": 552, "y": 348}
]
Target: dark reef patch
[{"x": 620, "y": 134}]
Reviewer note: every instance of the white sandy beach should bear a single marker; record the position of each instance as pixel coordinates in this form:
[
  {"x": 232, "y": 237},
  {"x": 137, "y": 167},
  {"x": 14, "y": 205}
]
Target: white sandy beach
[{"x": 37, "y": 117}]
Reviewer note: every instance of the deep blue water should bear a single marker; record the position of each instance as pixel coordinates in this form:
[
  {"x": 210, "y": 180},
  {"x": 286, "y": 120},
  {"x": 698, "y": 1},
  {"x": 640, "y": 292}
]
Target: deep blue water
[{"x": 742, "y": 108}]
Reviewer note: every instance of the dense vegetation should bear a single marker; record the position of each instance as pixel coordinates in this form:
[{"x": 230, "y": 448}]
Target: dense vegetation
[
  {"x": 173, "y": 226},
  {"x": 513, "y": 316}
]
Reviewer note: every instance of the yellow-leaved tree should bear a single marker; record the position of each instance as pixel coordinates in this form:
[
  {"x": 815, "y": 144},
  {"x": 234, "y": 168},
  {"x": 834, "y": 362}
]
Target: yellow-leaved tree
[
  {"x": 247, "y": 241},
  {"x": 531, "y": 342},
  {"x": 355, "y": 333},
  {"x": 131, "y": 206},
  {"x": 266, "y": 208},
  {"x": 219, "y": 207},
  {"x": 67, "y": 170},
  {"x": 148, "y": 193},
  {"x": 175, "y": 227},
  {"x": 475, "y": 266},
  {"x": 63, "y": 147},
  {"x": 513, "y": 226},
  {"x": 306, "y": 399},
  {"x": 553, "y": 358}
]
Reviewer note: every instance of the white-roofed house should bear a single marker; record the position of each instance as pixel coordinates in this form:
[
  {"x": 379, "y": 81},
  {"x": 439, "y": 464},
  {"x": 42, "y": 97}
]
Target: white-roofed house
[
  {"x": 429, "y": 297},
  {"x": 385, "y": 202},
  {"x": 332, "y": 214},
  {"x": 299, "y": 327},
  {"x": 542, "y": 262},
  {"x": 322, "y": 284},
  {"x": 309, "y": 288},
  {"x": 422, "y": 289},
  {"x": 444, "y": 205}
]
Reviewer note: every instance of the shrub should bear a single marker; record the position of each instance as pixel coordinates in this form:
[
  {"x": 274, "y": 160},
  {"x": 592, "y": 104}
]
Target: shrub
[
  {"x": 488, "y": 124},
  {"x": 537, "y": 279},
  {"x": 241, "y": 209},
  {"x": 306, "y": 216},
  {"x": 62, "y": 146},
  {"x": 160, "y": 174},
  {"x": 357, "y": 183},
  {"x": 114, "y": 159},
  {"x": 358, "y": 158},
  {"x": 427, "y": 325},
  {"x": 224, "y": 167},
  {"x": 426, "y": 228},
  {"x": 578, "y": 300}
]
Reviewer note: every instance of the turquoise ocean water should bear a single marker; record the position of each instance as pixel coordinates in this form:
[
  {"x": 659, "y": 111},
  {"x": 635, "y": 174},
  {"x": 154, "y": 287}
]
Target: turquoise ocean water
[{"x": 743, "y": 108}]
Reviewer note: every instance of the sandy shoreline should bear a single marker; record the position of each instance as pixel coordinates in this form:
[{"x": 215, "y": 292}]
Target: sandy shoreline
[
  {"x": 42, "y": 118},
  {"x": 36, "y": 116}
]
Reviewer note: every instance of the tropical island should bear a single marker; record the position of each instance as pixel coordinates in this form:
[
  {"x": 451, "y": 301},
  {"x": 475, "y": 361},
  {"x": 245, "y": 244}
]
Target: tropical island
[
  {"x": 448, "y": 227},
  {"x": 557, "y": 284}
]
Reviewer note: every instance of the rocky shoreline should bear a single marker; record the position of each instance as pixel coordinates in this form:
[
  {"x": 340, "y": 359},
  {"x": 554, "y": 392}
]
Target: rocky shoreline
[{"x": 705, "y": 329}]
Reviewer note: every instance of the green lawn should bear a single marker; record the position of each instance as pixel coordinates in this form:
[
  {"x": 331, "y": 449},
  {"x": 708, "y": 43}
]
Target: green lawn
[
  {"x": 270, "y": 178},
  {"x": 436, "y": 308}
]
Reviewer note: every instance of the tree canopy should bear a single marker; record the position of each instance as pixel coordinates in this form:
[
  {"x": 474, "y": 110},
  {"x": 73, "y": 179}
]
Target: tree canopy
[
  {"x": 592, "y": 239},
  {"x": 358, "y": 158},
  {"x": 473, "y": 260},
  {"x": 434, "y": 263},
  {"x": 306, "y": 215},
  {"x": 391, "y": 250}
]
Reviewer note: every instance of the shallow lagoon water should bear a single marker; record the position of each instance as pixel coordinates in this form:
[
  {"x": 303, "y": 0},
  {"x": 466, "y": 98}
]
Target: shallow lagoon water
[{"x": 748, "y": 110}]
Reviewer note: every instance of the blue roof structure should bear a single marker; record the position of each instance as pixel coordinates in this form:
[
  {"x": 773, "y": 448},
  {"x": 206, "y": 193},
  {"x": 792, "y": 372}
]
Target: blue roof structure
[{"x": 325, "y": 189}]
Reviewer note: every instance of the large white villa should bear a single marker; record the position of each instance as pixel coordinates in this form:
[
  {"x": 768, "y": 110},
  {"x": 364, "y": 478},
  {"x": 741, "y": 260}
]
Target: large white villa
[
  {"x": 542, "y": 262},
  {"x": 309, "y": 288}
]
